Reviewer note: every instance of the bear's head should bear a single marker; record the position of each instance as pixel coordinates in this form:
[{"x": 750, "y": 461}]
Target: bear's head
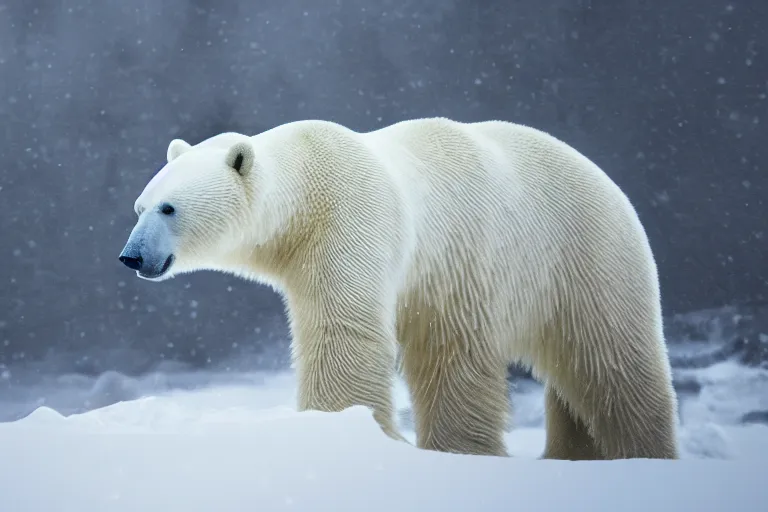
[{"x": 192, "y": 214}]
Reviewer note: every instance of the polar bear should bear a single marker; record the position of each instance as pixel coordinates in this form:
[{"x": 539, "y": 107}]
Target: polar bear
[{"x": 460, "y": 248}]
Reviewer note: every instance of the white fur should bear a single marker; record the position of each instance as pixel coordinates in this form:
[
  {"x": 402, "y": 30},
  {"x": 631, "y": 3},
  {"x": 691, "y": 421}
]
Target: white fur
[{"x": 468, "y": 246}]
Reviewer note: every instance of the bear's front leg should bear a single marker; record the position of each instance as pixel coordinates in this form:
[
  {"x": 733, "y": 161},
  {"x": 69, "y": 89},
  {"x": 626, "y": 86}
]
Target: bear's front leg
[
  {"x": 459, "y": 394},
  {"x": 344, "y": 355}
]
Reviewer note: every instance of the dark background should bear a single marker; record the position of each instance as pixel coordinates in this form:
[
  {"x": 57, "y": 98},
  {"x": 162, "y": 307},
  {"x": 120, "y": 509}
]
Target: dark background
[{"x": 668, "y": 97}]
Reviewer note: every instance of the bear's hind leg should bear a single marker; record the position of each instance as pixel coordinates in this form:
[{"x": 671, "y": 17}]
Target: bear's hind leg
[
  {"x": 568, "y": 437},
  {"x": 459, "y": 396},
  {"x": 620, "y": 385}
]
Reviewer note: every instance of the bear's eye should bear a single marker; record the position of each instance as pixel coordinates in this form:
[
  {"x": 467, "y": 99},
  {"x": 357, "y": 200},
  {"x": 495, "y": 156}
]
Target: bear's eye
[{"x": 167, "y": 209}]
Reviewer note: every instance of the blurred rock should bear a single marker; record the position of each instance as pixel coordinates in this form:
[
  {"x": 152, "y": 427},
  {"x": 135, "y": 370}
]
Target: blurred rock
[{"x": 755, "y": 417}]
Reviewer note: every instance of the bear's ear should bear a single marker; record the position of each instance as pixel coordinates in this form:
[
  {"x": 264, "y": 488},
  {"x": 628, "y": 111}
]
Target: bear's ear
[
  {"x": 240, "y": 157},
  {"x": 176, "y": 148}
]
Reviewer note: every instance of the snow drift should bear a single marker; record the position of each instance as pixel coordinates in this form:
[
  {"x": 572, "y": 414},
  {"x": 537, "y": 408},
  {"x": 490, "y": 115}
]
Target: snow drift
[{"x": 242, "y": 448}]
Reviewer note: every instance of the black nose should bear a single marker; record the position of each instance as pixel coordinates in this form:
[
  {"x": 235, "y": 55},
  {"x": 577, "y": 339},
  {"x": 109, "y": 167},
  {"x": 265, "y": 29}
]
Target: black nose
[{"x": 132, "y": 262}]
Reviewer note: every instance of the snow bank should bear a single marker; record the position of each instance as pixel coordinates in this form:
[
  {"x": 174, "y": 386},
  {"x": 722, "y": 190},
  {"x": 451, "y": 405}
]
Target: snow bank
[{"x": 212, "y": 450}]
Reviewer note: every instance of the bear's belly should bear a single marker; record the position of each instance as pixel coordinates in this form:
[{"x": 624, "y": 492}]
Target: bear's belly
[{"x": 506, "y": 314}]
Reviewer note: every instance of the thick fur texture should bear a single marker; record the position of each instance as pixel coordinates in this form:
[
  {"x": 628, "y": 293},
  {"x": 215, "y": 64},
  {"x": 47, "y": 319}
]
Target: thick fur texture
[{"x": 466, "y": 247}]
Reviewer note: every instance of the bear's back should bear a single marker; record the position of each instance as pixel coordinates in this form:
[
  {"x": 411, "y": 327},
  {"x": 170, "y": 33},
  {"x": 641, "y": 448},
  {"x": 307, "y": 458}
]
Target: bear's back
[
  {"x": 505, "y": 197},
  {"x": 491, "y": 179}
]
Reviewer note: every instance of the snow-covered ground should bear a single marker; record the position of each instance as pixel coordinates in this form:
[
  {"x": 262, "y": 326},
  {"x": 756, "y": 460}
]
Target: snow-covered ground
[{"x": 225, "y": 441}]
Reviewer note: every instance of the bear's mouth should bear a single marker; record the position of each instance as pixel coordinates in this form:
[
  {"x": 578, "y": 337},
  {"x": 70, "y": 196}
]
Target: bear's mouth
[{"x": 163, "y": 270}]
